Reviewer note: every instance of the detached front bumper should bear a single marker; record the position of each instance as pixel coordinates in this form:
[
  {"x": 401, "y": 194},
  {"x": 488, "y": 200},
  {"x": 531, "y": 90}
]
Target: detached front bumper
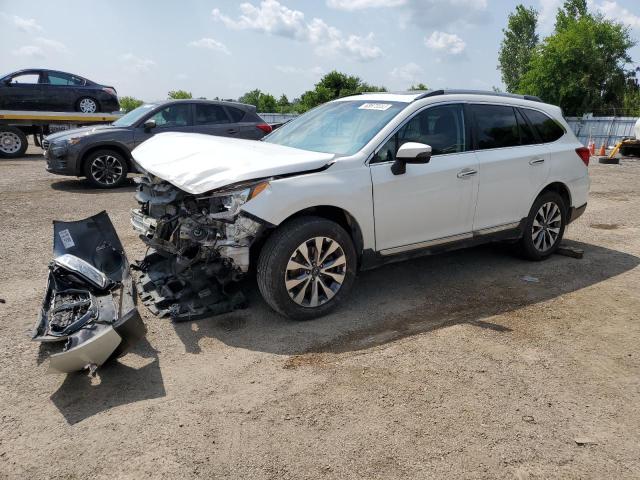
[{"x": 89, "y": 310}]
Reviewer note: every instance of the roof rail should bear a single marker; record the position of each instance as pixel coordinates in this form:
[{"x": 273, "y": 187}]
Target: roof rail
[{"x": 433, "y": 93}]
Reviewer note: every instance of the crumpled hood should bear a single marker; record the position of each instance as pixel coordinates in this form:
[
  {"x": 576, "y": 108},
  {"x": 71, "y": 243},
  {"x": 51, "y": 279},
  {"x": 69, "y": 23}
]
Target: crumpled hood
[{"x": 199, "y": 163}]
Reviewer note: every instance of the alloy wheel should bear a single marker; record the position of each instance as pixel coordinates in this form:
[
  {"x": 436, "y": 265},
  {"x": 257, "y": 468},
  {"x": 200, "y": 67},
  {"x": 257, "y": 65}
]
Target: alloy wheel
[
  {"x": 106, "y": 169},
  {"x": 88, "y": 105},
  {"x": 315, "y": 272},
  {"x": 546, "y": 226},
  {"x": 9, "y": 142}
]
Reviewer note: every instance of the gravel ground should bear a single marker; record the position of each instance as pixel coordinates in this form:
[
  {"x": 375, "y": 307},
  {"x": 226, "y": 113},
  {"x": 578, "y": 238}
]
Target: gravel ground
[{"x": 448, "y": 366}]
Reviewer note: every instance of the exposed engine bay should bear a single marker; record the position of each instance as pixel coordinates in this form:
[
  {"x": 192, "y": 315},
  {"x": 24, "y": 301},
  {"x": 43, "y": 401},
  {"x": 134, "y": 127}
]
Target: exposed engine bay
[
  {"x": 199, "y": 247},
  {"x": 89, "y": 307}
]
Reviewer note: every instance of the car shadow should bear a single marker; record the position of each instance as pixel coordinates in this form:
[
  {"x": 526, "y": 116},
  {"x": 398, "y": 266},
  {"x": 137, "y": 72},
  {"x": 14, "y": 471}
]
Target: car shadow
[
  {"x": 82, "y": 185},
  {"x": 408, "y": 298},
  {"x": 81, "y": 396}
]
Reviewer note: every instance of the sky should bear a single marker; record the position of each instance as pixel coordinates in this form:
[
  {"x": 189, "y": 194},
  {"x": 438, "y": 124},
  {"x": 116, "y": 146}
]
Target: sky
[{"x": 224, "y": 48}]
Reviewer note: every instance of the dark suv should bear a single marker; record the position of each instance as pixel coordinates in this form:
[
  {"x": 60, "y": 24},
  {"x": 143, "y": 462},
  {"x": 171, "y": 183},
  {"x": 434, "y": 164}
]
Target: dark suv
[
  {"x": 50, "y": 90},
  {"x": 103, "y": 153}
]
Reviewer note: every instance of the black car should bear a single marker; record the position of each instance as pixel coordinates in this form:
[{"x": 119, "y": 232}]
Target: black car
[
  {"x": 49, "y": 90},
  {"x": 103, "y": 153}
]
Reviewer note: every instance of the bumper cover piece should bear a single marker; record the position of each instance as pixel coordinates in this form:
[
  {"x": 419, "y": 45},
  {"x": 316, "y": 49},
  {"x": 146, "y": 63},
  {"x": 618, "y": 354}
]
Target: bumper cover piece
[{"x": 89, "y": 307}]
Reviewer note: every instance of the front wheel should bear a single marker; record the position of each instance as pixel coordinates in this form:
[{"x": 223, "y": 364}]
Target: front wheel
[
  {"x": 306, "y": 268},
  {"x": 105, "y": 169},
  {"x": 13, "y": 142},
  {"x": 544, "y": 227}
]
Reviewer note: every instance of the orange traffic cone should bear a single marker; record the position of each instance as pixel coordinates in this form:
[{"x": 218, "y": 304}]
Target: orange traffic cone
[{"x": 603, "y": 151}]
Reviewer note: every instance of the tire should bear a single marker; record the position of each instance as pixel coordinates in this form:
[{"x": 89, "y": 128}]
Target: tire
[
  {"x": 538, "y": 246},
  {"x": 87, "y": 105},
  {"x": 609, "y": 161},
  {"x": 105, "y": 169},
  {"x": 287, "y": 244},
  {"x": 13, "y": 142}
]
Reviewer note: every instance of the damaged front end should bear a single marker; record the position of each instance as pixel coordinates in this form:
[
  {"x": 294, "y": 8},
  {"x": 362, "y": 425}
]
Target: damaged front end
[
  {"x": 199, "y": 247},
  {"x": 89, "y": 307}
]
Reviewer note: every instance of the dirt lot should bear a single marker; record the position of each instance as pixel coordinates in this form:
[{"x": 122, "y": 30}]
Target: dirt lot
[{"x": 451, "y": 366}]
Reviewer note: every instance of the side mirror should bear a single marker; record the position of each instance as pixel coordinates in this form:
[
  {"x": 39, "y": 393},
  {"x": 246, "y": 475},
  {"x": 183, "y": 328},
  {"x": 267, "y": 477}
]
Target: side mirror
[
  {"x": 149, "y": 124},
  {"x": 410, "y": 152}
]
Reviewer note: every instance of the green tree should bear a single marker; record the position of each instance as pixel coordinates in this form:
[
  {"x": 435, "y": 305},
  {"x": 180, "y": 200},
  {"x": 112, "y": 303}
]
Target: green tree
[
  {"x": 179, "y": 95},
  {"x": 571, "y": 11},
  {"x": 518, "y": 45},
  {"x": 581, "y": 66},
  {"x": 129, "y": 103},
  {"x": 334, "y": 85},
  {"x": 264, "y": 102},
  {"x": 419, "y": 86},
  {"x": 283, "y": 104}
]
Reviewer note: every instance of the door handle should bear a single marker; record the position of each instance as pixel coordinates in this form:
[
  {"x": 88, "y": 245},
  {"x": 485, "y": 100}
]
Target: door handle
[
  {"x": 232, "y": 131},
  {"x": 536, "y": 161},
  {"x": 467, "y": 172}
]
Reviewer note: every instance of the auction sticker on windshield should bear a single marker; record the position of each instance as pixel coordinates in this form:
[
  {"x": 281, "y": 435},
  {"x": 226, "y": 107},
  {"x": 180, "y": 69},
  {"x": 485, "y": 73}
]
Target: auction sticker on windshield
[{"x": 375, "y": 106}]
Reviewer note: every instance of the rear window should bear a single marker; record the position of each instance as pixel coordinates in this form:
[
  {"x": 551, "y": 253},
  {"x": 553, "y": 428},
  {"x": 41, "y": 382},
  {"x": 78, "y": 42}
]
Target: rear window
[
  {"x": 236, "y": 114},
  {"x": 496, "y": 126},
  {"x": 210, "y": 114},
  {"x": 547, "y": 128}
]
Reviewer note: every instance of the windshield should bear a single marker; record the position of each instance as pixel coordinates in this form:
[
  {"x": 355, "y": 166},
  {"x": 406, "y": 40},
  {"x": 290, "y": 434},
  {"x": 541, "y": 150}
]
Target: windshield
[
  {"x": 342, "y": 127},
  {"x": 133, "y": 116}
]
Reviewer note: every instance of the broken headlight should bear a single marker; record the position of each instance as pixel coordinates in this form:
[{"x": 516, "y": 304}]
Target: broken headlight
[{"x": 232, "y": 200}]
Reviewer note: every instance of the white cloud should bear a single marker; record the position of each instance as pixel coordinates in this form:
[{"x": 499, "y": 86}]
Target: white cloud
[
  {"x": 612, "y": 11},
  {"x": 29, "y": 25},
  {"x": 273, "y": 18},
  {"x": 411, "y": 72},
  {"x": 137, "y": 64},
  {"x": 291, "y": 70},
  {"x": 430, "y": 14},
  {"x": 362, "y": 4},
  {"x": 51, "y": 44},
  {"x": 210, "y": 44},
  {"x": 182, "y": 76},
  {"x": 29, "y": 51},
  {"x": 445, "y": 43}
]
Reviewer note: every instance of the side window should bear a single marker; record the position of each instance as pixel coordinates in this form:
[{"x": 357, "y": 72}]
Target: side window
[
  {"x": 440, "y": 127},
  {"x": 210, "y": 114},
  {"x": 173, "y": 116},
  {"x": 63, "y": 79},
  {"x": 547, "y": 128},
  {"x": 527, "y": 136},
  {"x": 496, "y": 126},
  {"x": 27, "y": 78},
  {"x": 236, "y": 114}
]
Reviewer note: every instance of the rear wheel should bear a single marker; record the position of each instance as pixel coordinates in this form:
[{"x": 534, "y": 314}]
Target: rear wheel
[
  {"x": 306, "y": 268},
  {"x": 87, "y": 105},
  {"x": 544, "y": 227},
  {"x": 105, "y": 169},
  {"x": 13, "y": 142}
]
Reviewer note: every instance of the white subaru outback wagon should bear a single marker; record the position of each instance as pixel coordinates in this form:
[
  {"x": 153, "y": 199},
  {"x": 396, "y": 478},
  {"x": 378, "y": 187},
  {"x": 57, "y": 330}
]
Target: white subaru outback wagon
[{"x": 353, "y": 184}]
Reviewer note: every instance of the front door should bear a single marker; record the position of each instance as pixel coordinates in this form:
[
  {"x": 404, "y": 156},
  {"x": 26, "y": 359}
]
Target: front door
[
  {"x": 175, "y": 117},
  {"x": 433, "y": 202}
]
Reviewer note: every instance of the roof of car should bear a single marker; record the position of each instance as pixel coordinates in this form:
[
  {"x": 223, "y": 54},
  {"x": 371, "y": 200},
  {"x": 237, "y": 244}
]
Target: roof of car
[{"x": 202, "y": 100}]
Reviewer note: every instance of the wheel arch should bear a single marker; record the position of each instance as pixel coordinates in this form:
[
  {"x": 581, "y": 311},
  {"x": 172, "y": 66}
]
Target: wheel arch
[
  {"x": 561, "y": 189},
  {"x": 330, "y": 212}
]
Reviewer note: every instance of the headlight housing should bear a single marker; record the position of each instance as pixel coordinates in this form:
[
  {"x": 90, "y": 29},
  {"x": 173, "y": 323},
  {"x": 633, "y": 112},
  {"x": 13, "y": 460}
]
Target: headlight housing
[{"x": 232, "y": 200}]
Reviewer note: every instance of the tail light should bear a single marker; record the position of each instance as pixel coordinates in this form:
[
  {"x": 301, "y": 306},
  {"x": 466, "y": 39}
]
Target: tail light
[
  {"x": 265, "y": 127},
  {"x": 584, "y": 154},
  {"x": 110, "y": 91}
]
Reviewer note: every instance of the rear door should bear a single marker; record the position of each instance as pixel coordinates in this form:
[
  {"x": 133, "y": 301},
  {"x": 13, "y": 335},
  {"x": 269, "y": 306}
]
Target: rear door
[
  {"x": 213, "y": 119},
  {"x": 62, "y": 90},
  {"x": 246, "y": 123},
  {"x": 176, "y": 117},
  {"x": 513, "y": 165}
]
